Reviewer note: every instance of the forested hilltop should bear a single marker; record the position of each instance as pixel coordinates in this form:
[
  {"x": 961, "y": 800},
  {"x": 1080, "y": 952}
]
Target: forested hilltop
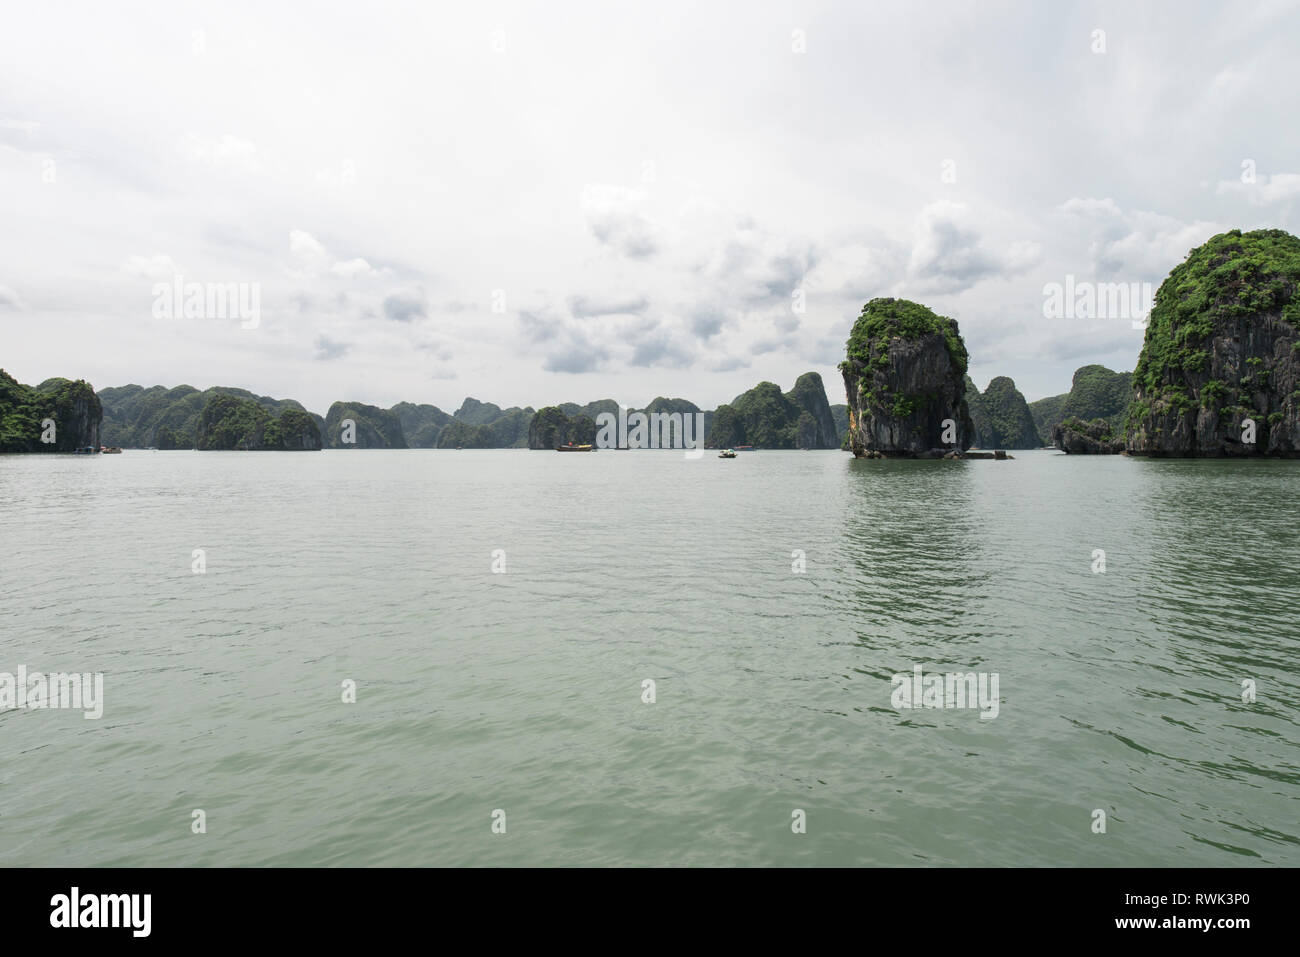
[
  {"x": 174, "y": 418},
  {"x": 58, "y": 415},
  {"x": 227, "y": 417},
  {"x": 1219, "y": 374}
]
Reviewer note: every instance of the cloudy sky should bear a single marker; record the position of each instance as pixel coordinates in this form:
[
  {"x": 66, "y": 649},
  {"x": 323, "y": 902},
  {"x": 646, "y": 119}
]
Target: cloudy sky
[{"x": 541, "y": 202}]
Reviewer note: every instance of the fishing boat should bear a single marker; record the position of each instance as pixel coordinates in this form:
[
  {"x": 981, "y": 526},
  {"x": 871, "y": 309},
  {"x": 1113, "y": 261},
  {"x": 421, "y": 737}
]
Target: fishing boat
[
  {"x": 110, "y": 450},
  {"x": 570, "y": 447},
  {"x": 727, "y": 454}
]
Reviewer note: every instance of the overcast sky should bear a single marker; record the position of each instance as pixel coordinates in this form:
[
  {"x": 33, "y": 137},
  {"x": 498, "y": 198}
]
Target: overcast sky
[{"x": 546, "y": 202}]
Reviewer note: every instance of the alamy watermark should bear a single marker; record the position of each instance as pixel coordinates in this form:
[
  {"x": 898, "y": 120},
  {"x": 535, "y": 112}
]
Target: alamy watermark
[
  {"x": 179, "y": 299},
  {"x": 652, "y": 430},
  {"x": 954, "y": 690},
  {"x": 1075, "y": 299},
  {"x": 36, "y": 690}
]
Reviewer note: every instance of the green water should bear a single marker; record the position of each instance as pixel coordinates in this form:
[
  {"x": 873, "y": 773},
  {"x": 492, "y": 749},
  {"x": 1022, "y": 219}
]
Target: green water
[{"x": 522, "y": 691}]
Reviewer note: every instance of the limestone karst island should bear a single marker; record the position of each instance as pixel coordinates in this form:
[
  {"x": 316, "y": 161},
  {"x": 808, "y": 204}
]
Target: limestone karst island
[{"x": 1218, "y": 375}]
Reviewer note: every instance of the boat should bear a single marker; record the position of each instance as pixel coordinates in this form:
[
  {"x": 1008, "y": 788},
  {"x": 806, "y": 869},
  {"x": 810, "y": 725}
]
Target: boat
[
  {"x": 727, "y": 454},
  {"x": 742, "y": 448},
  {"x": 88, "y": 450},
  {"x": 570, "y": 447},
  {"x": 110, "y": 450}
]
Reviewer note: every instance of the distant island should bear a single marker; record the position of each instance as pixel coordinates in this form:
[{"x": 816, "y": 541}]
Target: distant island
[{"x": 1218, "y": 375}]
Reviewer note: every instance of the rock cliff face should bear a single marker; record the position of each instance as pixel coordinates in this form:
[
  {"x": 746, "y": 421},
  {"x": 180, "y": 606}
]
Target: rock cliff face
[
  {"x": 1077, "y": 437},
  {"x": 767, "y": 418},
  {"x": 1001, "y": 416},
  {"x": 1219, "y": 373},
  {"x": 905, "y": 381},
  {"x": 840, "y": 413},
  {"x": 232, "y": 423},
  {"x": 551, "y": 427},
  {"x": 421, "y": 424},
  {"x": 809, "y": 394},
  {"x": 73, "y": 408},
  {"x": 1095, "y": 393},
  {"x": 371, "y": 427},
  {"x": 136, "y": 417}
]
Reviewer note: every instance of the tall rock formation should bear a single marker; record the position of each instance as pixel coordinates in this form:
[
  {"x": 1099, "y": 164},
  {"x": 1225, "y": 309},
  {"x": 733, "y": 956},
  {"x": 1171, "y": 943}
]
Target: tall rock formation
[
  {"x": 1095, "y": 393},
  {"x": 58, "y": 415},
  {"x": 1008, "y": 423},
  {"x": 767, "y": 418},
  {"x": 1219, "y": 373},
  {"x": 905, "y": 378},
  {"x": 367, "y": 426}
]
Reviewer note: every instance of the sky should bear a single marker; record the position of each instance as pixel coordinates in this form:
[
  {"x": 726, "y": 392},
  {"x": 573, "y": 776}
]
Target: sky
[{"x": 534, "y": 203}]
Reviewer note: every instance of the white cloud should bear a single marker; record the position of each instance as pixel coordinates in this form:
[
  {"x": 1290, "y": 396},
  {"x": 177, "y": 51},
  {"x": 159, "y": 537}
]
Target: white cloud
[
  {"x": 1265, "y": 191},
  {"x": 157, "y": 266},
  {"x": 358, "y": 269}
]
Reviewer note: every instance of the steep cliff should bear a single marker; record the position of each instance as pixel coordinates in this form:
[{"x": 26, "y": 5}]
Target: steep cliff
[
  {"x": 421, "y": 424},
  {"x": 136, "y": 417},
  {"x": 370, "y": 427},
  {"x": 809, "y": 394},
  {"x": 1219, "y": 373},
  {"x": 767, "y": 418},
  {"x": 1095, "y": 393},
  {"x": 230, "y": 422},
  {"x": 26, "y": 413},
  {"x": 1007, "y": 421},
  {"x": 551, "y": 427},
  {"x": 905, "y": 381},
  {"x": 1097, "y": 437}
]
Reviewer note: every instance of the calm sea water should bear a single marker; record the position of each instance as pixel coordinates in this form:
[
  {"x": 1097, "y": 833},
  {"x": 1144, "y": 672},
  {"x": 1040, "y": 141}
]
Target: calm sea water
[{"x": 522, "y": 691}]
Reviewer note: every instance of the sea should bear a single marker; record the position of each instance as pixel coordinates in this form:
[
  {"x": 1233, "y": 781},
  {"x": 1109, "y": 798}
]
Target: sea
[{"x": 458, "y": 658}]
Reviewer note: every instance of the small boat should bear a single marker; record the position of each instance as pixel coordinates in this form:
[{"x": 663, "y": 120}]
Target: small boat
[
  {"x": 570, "y": 447},
  {"x": 110, "y": 450},
  {"x": 727, "y": 454},
  {"x": 88, "y": 450},
  {"x": 742, "y": 448}
]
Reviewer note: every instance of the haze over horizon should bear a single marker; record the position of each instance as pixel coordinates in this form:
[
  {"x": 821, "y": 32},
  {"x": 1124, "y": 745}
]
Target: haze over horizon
[{"x": 534, "y": 205}]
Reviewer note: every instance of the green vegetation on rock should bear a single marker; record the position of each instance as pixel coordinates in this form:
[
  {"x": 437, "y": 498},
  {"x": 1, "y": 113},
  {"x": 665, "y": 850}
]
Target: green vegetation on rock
[
  {"x": 158, "y": 417},
  {"x": 1095, "y": 393},
  {"x": 229, "y": 422},
  {"x": 767, "y": 418},
  {"x": 1007, "y": 422},
  {"x": 73, "y": 407},
  {"x": 885, "y": 319},
  {"x": 366, "y": 426},
  {"x": 1220, "y": 352},
  {"x": 421, "y": 424},
  {"x": 905, "y": 381}
]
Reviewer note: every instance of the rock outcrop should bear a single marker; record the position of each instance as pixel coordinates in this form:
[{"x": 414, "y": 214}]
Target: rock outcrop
[
  {"x": 354, "y": 425},
  {"x": 136, "y": 417},
  {"x": 809, "y": 394},
  {"x": 232, "y": 423},
  {"x": 767, "y": 418},
  {"x": 1095, "y": 393},
  {"x": 58, "y": 415},
  {"x": 905, "y": 379},
  {"x": 1097, "y": 437},
  {"x": 1219, "y": 373},
  {"x": 550, "y": 427},
  {"x": 1001, "y": 416},
  {"x": 421, "y": 424},
  {"x": 840, "y": 413}
]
